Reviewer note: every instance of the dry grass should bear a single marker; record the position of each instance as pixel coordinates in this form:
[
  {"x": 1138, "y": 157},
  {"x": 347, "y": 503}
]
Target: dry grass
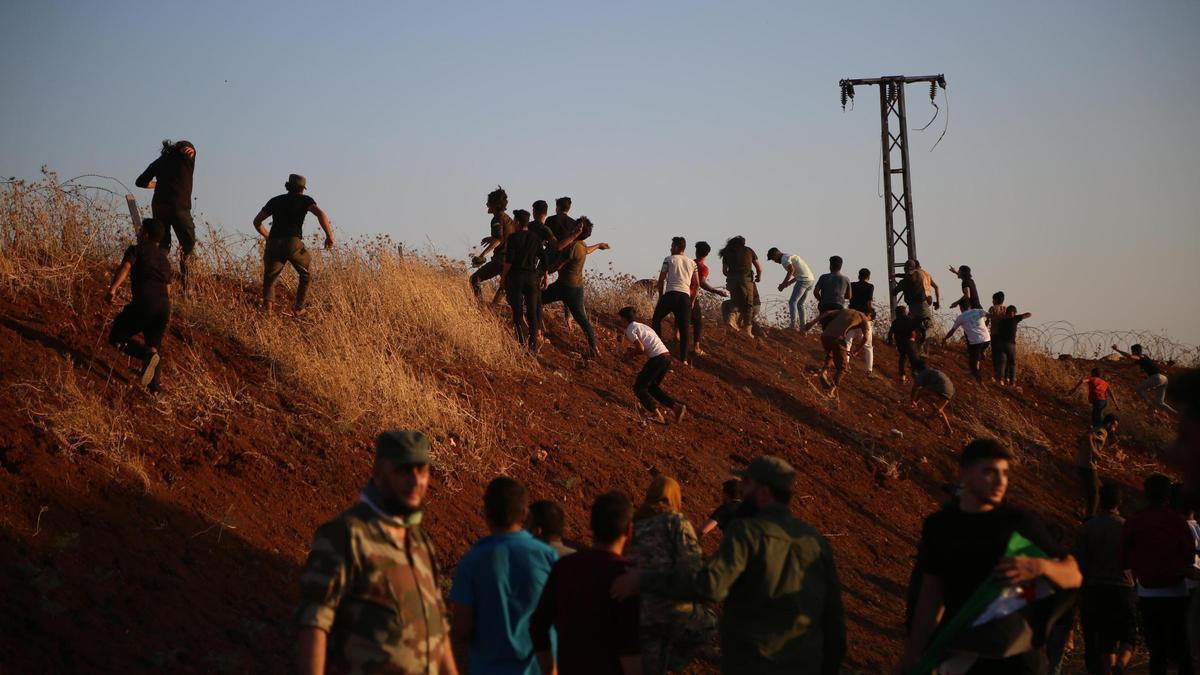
[{"x": 390, "y": 340}]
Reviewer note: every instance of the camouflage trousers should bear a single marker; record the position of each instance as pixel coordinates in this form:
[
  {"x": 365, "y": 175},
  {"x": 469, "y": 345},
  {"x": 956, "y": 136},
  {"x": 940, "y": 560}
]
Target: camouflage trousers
[{"x": 670, "y": 647}]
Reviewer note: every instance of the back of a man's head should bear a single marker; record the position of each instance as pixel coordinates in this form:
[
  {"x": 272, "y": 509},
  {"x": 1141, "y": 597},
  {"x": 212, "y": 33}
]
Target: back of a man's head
[
  {"x": 547, "y": 517},
  {"x": 835, "y": 263},
  {"x": 1110, "y": 496},
  {"x": 982, "y": 449},
  {"x": 505, "y": 502},
  {"x": 612, "y": 513},
  {"x": 1157, "y": 488}
]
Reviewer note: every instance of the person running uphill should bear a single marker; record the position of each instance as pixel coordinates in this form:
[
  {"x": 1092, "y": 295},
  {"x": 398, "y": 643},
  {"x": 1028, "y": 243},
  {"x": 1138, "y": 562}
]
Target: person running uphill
[
  {"x": 522, "y": 278},
  {"x": 678, "y": 284},
  {"x": 702, "y": 251},
  {"x": 568, "y": 287},
  {"x": 903, "y": 334},
  {"x": 974, "y": 325},
  {"x": 647, "y": 386},
  {"x": 1153, "y": 389},
  {"x": 783, "y": 609},
  {"x": 1089, "y": 449},
  {"x": 832, "y": 290},
  {"x": 742, "y": 272},
  {"x": 1100, "y": 392},
  {"x": 934, "y": 385},
  {"x": 1004, "y": 345},
  {"x": 799, "y": 276},
  {"x": 149, "y": 311},
  {"x": 170, "y": 176},
  {"x": 285, "y": 241},
  {"x": 502, "y": 226},
  {"x": 837, "y": 323}
]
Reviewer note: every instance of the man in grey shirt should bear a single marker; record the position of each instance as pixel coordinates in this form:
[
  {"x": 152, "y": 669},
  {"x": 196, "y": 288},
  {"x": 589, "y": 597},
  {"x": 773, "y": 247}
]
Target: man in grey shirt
[
  {"x": 833, "y": 289},
  {"x": 935, "y": 386},
  {"x": 1107, "y": 598}
]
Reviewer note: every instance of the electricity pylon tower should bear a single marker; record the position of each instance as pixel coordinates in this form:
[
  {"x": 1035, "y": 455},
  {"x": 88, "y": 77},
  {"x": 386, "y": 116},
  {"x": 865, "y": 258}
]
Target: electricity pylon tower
[{"x": 895, "y": 163}]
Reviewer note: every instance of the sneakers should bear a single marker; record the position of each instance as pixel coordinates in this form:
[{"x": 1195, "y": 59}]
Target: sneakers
[
  {"x": 149, "y": 369},
  {"x": 679, "y": 409}
]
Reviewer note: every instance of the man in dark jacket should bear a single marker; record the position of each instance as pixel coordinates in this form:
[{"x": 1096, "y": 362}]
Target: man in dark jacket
[{"x": 170, "y": 176}]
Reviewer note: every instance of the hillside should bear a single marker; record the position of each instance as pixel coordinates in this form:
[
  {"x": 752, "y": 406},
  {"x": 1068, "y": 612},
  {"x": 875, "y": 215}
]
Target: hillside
[{"x": 144, "y": 533}]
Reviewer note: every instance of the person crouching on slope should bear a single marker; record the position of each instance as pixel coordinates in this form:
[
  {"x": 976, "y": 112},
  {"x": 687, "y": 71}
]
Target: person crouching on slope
[
  {"x": 837, "y": 323},
  {"x": 146, "y": 263},
  {"x": 658, "y": 361}
]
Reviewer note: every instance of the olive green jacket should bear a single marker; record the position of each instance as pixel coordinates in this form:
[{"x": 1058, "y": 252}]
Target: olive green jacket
[{"x": 783, "y": 604}]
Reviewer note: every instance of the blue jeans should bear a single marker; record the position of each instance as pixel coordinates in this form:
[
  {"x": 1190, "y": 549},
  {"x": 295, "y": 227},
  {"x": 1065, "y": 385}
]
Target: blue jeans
[
  {"x": 800, "y": 291},
  {"x": 572, "y": 297}
]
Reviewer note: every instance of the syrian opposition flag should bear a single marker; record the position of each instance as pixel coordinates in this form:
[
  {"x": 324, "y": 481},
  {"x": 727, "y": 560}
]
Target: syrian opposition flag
[{"x": 997, "y": 621}]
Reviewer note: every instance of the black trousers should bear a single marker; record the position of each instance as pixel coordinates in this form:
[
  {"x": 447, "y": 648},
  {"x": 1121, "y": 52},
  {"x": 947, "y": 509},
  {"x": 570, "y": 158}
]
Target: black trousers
[
  {"x": 647, "y": 385},
  {"x": 697, "y": 322},
  {"x": 524, "y": 290},
  {"x": 905, "y": 349},
  {"x": 1108, "y": 620},
  {"x": 1004, "y": 360},
  {"x": 1164, "y": 625},
  {"x": 975, "y": 356},
  {"x": 151, "y": 322},
  {"x": 678, "y": 304},
  {"x": 179, "y": 220}
]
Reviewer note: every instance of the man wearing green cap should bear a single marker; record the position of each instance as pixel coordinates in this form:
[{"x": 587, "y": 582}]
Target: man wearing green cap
[
  {"x": 783, "y": 604},
  {"x": 369, "y": 595},
  {"x": 285, "y": 241}
]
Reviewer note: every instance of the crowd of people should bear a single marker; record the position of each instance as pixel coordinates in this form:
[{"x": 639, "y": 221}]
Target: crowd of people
[{"x": 642, "y": 597}]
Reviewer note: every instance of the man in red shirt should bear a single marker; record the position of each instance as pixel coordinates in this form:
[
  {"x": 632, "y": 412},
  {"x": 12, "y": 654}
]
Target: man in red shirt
[
  {"x": 702, "y": 251},
  {"x": 596, "y": 634},
  {"x": 1157, "y": 545},
  {"x": 1099, "y": 394}
]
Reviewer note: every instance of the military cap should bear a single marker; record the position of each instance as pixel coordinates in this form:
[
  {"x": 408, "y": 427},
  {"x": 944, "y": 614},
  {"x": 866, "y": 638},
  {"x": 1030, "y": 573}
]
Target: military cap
[
  {"x": 769, "y": 470},
  {"x": 296, "y": 180},
  {"x": 403, "y": 446}
]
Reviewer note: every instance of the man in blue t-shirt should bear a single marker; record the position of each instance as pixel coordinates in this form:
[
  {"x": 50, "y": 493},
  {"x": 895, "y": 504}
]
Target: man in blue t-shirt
[{"x": 498, "y": 584}]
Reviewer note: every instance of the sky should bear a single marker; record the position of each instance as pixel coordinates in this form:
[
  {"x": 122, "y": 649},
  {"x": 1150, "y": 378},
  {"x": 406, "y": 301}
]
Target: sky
[{"x": 1066, "y": 177}]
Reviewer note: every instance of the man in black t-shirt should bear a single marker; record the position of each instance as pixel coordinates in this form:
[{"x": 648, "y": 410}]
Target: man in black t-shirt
[
  {"x": 963, "y": 545},
  {"x": 500, "y": 227},
  {"x": 285, "y": 241},
  {"x": 731, "y": 491},
  {"x": 561, "y": 224},
  {"x": 523, "y": 277},
  {"x": 903, "y": 334},
  {"x": 146, "y": 264},
  {"x": 862, "y": 292}
]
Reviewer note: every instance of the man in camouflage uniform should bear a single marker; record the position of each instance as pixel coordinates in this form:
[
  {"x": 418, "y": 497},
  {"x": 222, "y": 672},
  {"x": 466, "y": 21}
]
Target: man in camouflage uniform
[
  {"x": 783, "y": 603},
  {"x": 369, "y": 595}
]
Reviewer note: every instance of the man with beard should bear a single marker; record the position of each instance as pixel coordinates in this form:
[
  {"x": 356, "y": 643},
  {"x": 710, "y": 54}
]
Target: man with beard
[
  {"x": 369, "y": 596},
  {"x": 783, "y": 604},
  {"x": 963, "y": 544},
  {"x": 170, "y": 176}
]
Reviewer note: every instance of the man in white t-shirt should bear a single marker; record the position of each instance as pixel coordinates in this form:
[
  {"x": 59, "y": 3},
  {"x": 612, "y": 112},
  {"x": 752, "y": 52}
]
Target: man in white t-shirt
[
  {"x": 647, "y": 387},
  {"x": 678, "y": 284},
  {"x": 799, "y": 276},
  {"x": 974, "y": 325}
]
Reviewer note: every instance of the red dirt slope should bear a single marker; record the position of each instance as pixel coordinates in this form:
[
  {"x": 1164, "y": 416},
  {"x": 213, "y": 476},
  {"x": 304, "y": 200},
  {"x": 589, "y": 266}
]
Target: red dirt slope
[{"x": 196, "y": 571}]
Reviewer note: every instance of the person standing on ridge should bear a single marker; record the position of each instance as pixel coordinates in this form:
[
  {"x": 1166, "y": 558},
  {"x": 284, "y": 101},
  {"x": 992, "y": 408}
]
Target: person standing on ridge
[
  {"x": 170, "y": 176},
  {"x": 547, "y": 522},
  {"x": 1153, "y": 389},
  {"x": 832, "y": 289},
  {"x": 285, "y": 241},
  {"x": 970, "y": 295},
  {"x": 353, "y": 614},
  {"x": 648, "y": 384},
  {"x": 1089, "y": 449},
  {"x": 497, "y": 585},
  {"x": 963, "y": 544},
  {"x": 702, "y": 251},
  {"x": 783, "y": 609},
  {"x": 561, "y": 223},
  {"x": 568, "y": 287},
  {"x": 1004, "y": 345},
  {"x": 522, "y": 277},
  {"x": 935, "y": 385},
  {"x": 903, "y": 334},
  {"x": 502, "y": 226},
  {"x": 997, "y": 310},
  {"x": 596, "y": 634},
  {"x": 837, "y": 323},
  {"x": 678, "y": 284},
  {"x": 1100, "y": 392},
  {"x": 739, "y": 264},
  {"x": 974, "y": 325},
  {"x": 799, "y": 276},
  {"x": 149, "y": 311}
]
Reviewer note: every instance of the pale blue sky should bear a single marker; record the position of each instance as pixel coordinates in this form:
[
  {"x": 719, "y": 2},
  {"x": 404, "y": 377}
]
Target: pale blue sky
[{"x": 1067, "y": 177}]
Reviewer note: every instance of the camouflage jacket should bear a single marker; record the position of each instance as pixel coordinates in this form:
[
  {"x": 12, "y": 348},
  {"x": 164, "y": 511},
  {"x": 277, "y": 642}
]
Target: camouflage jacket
[
  {"x": 665, "y": 543},
  {"x": 379, "y": 602},
  {"x": 783, "y": 603}
]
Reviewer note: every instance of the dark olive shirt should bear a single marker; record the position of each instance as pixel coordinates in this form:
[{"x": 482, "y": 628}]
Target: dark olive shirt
[{"x": 287, "y": 213}]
